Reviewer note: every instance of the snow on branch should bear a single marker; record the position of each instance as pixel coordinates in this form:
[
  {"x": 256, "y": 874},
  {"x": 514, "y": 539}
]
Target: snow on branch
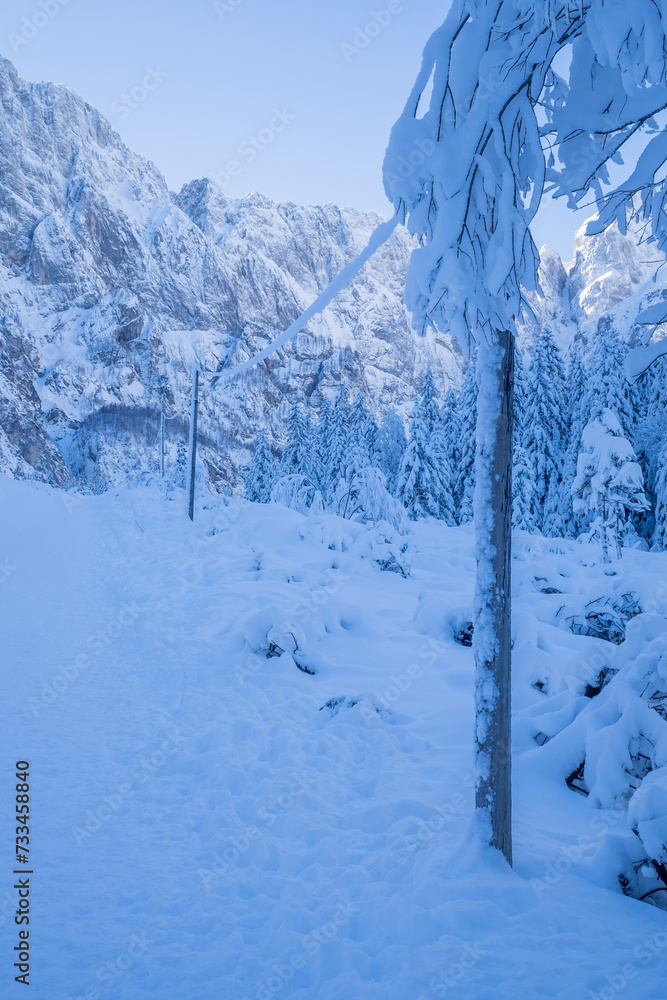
[{"x": 502, "y": 126}]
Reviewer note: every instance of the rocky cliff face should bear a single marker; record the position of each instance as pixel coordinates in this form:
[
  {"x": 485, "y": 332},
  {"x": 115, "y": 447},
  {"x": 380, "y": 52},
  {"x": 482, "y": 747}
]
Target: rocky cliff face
[{"x": 111, "y": 287}]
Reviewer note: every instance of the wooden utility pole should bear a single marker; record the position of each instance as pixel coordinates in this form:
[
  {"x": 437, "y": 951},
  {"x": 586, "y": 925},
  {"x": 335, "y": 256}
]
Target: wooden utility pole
[
  {"x": 192, "y": 450},
  {"x": 493, "y": 514},
  {"x": 162, "y": 424}
]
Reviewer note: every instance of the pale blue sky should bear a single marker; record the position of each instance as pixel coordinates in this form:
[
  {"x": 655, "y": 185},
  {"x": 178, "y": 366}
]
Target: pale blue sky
[{"x": 203, "y": 78}]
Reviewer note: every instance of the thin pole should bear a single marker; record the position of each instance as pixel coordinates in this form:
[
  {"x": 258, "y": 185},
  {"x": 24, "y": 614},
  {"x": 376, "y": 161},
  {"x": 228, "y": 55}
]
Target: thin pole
[
  {"x": 192, "y": 451},
  {"x": 162, "y": 422}
]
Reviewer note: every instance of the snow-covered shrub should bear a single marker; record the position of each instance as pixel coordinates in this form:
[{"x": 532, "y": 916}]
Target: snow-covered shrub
[
  {"x": 606, "y": 617},
  {"x": 615, "y": 749},
  {"x": 366, "y": 498},
  {"x": 382, "y": 545},
  {"x": 298, "y": 493}
]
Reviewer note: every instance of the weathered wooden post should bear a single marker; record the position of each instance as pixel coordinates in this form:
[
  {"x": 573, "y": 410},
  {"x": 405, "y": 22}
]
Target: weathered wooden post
[{"x": 493, "y": 612}]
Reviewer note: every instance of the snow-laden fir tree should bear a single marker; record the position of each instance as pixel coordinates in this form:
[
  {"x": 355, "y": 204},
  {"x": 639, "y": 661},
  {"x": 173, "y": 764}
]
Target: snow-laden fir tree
[
  {"x": 429, "y": 401},
  {"x": 466, "y": 411},
  {"x": 509, "y": 98},
  {"x": 262, "y": 472},
  {"x": 181, "y": 463},
  {"x": 651, "y": 434},
  {"x": 609, "y": 482},
  {"x": 357, "y": 454},
  {"x": 450, "y": 430},
  {"x": 575, "y": 420},
  {"x": 520, "y": 398},
  {"x": 390, "y": 447},
  {"x": 440, "y": 447},
  {"x": 322, "y": 446},
  {"x": 339, "y": 438},
  {"x": 372, "y": 434},
  {"x": 660, "y": 532},
  {"x": 607, "y": 386},
  {"x": 523, "y": 487},
  {"x": 296, "y": 458},
  {"x": 420, "y": 488},
  {"x": 544, "y": 430}
]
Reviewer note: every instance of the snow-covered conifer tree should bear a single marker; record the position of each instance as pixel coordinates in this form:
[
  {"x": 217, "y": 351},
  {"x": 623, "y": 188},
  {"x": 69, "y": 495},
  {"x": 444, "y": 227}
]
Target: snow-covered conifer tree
[
  {"x": 340, "y": 419},
  {"x": 466, "y": 411},
  {"x": 372, "y": 433},
  {"x": 429, "y": 401},
  {"x": 262, "y": 472},
  {"x": 357, "y": 456},
  {"x": 181, "y": 463},
  {"x": 523, "y": 488},
  {"x": 544, "y": 430},
  {"x": 575, "y": 381},
  {"x": 440, "y": 449},
  {"x": 390, "y": 447},
  {"x": 609, "y": 481},
  {"x": 424, "y": 477},
  {"x": 606, "y": 384},
  {"x": 296, "y": 458},
  {"x": 660, "y": 533},
  {"x": 520, "y": 398},
  {"x": 322, "y": 447},
  {"x": 419, "y": 485}
]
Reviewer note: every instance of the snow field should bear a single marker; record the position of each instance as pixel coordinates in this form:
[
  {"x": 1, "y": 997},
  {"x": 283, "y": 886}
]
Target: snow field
[{"x": 212, "y": 821}]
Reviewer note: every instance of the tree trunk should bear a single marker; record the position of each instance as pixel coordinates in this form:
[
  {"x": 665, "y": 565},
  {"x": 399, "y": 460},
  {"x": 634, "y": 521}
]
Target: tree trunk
[
  {"x": 605, "y": 536},
  {"x": 493, "y": 634}
]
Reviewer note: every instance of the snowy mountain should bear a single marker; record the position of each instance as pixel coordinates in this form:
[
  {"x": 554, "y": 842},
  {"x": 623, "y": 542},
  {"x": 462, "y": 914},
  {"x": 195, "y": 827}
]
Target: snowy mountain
[{"x": 111, "y": 286}]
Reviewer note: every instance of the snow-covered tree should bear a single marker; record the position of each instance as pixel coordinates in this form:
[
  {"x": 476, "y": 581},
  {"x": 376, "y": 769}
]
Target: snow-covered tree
[
  {"x": 520, "y": 398},
  {"x": 372, "y": 432},
  {"x": 609, "y": 481},
  {"x": 429, "y": 401},
  {"x": 544, "y": 430},
  {"x": 366, "y": 498},
  {"x": 606, "y": 384},
  {"x": 261, "y": 473},
  {"x": 390, "y": 446},
  {"x": 466, "y": 411},
  {"x": 181, "y": 463},
  {"x": 339, "y": 437},
  {"x": 322, "y": 446},
  {"x": 420, "y": 487},
  {"x": 660, "y": 534},
  {"x": 523, "y": 488},
  {"x": 296, "y": 458},
  {"x": 357, "y": 452},
  {"x": 440, "y": 449},
  {"x": 298, "y": 493},
  {"x": 649, "y": 441},
  {"x": 467, "y": 164},
  {"x": 575, "y": 420}
]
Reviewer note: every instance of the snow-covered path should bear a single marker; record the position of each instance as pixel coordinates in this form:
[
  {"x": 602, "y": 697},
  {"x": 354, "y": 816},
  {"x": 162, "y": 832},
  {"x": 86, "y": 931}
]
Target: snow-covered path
[{"x": 206, "y": 828}]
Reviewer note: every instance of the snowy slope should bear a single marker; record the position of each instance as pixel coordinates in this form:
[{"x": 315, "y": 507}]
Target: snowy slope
[{"x": 210, "y": 821}]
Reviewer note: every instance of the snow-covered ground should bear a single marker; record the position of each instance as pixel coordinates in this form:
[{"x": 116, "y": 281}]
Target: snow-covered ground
[{"x": 251, "y": 757}]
